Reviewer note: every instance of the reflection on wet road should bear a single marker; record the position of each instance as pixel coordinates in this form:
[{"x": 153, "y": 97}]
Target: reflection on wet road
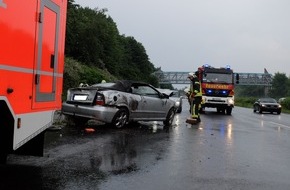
[{"x": 242, "y": 151}]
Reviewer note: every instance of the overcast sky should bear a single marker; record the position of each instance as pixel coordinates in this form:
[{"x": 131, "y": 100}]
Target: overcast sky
[{"x": 180, "y": 35}]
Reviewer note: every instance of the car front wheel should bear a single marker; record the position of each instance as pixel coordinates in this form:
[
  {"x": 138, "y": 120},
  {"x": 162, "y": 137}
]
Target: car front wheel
[
  {"x": 169, "y": 117},
  {"x": 260, "y": 110},
  {"x": 179, "y": 110},
  {"x": 120, "y": 119}
]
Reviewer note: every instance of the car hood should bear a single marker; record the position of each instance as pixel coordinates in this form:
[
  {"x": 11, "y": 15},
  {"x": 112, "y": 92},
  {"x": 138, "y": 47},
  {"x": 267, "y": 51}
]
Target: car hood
[{"x": 167, "y": 92}]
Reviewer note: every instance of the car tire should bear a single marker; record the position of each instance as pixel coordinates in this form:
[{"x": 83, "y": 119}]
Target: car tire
[
  {"x": 260, "y": 110},
  {"x": 278, "y": 112},
  {"x": 169, "y": 117},
  {"x": 120, "y": 119},
  {"x": 179, "y": 110}
]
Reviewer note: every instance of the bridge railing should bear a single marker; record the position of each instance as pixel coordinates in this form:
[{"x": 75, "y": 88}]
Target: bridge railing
[{"x": 257, "y": 79}]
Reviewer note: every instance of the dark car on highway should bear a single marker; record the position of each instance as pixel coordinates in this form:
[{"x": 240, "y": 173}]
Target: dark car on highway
[
  {"x": 118, "y": 103},
  {"x": 267, "y": 105}
]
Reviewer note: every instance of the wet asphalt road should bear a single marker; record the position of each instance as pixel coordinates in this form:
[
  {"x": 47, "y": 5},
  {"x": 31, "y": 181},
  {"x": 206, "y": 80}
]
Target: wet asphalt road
[{"x": 244, "y": 151}]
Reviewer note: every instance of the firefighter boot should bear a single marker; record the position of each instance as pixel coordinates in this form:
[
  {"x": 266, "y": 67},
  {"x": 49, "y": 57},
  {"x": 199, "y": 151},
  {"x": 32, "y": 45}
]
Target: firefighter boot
[{"x": 198, "y": 119}]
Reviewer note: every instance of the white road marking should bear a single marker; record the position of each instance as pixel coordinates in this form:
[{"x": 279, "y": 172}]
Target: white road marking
[{"x": 281, "y": 125}]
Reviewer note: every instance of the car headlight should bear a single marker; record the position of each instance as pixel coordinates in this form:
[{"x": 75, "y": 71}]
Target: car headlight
[
  {"x": 263, "y": 105},
  {"x": 177, "y": 104}
]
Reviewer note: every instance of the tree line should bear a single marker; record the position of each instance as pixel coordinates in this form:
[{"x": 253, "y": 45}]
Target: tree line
[{"x": 95, "y": 50}]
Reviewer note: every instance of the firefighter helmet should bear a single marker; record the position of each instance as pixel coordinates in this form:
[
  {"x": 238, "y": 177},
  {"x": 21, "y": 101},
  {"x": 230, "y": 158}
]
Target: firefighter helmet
[{"x": 191, "y": 75}]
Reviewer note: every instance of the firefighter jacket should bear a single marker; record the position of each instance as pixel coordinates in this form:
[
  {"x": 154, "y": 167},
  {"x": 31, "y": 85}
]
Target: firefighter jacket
[{"x": 195, "y": 89}]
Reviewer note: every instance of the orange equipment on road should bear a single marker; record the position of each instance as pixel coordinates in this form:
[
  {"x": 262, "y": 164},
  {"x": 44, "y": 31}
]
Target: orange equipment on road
[{"x": 31, "y": 72}]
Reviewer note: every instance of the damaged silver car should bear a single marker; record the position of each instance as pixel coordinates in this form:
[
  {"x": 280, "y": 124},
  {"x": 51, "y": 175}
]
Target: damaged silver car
[{"x": 118, "y": 104}]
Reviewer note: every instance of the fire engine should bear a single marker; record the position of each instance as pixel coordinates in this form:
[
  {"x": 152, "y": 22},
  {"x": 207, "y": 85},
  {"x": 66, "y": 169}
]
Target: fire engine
[
  {"x": 217, "y": 86},
  {"x": 31, "y": 72}
]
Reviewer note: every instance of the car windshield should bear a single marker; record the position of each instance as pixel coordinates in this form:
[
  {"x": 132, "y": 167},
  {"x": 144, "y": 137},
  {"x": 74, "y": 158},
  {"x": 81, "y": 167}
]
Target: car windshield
[{"x": 218, "y": 78}]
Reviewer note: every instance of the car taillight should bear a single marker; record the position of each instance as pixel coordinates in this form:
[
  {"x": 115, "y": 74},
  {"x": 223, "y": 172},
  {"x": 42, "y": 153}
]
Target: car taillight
[{"x": 100, "y": 100}]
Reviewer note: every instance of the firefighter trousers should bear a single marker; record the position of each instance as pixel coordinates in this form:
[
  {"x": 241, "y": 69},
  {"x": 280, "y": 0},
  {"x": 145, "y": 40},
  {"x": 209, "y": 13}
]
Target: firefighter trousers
[{"x": 195, "y": 106}]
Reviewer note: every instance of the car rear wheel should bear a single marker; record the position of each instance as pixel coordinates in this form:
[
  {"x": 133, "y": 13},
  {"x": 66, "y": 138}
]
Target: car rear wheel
[
  {"x": 120, "y": 119},
  {"x": 169, "y": 117}
]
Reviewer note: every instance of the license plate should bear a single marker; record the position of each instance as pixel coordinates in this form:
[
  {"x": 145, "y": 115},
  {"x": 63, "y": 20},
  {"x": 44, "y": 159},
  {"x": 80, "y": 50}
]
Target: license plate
[{"x": 80, "y": 97}]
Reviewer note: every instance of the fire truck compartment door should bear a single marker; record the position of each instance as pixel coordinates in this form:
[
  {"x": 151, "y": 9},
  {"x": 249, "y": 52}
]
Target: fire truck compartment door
[{"x": 47, "y": 52}]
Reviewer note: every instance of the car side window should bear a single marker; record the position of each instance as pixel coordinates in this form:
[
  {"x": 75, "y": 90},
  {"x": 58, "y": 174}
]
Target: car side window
[
  {"x": 145, "y": 91},
  {"x": 136, "y": 90}
]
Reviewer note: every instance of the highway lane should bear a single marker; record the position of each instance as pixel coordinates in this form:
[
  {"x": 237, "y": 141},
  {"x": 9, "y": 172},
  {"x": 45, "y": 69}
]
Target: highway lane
[{"x": 243, "y": 151}]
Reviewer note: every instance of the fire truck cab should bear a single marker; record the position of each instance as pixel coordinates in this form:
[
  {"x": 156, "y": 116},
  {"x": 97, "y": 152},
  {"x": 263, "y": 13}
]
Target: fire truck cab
[
  {"x": 31, "y": 72},
  {"x": 217, "y": 86}
]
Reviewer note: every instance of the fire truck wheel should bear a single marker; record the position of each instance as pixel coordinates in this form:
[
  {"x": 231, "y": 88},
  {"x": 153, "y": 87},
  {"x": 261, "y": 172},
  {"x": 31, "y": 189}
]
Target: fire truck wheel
[{"x": 229, "y": 111}]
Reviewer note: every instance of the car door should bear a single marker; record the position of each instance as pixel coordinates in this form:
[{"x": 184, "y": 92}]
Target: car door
[{"x": 152, "y": 105}]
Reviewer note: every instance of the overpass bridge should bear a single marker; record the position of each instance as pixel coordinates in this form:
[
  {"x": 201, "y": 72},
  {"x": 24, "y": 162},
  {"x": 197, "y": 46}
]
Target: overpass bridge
[{"x": 255, "y": 79}]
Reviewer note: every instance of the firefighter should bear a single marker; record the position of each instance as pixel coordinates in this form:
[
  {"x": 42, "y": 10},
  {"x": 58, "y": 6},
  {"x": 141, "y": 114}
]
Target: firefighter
[{"x": 195, "y": 96}]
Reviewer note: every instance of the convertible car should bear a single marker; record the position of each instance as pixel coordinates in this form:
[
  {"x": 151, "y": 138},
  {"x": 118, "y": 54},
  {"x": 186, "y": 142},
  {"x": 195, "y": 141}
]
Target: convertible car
[{"x": 118, "y": 104}]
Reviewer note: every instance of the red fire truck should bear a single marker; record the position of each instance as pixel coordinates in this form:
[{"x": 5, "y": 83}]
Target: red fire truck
[
  {"x": 31, "y": 72},
  {"x": 217, "y": 88}
]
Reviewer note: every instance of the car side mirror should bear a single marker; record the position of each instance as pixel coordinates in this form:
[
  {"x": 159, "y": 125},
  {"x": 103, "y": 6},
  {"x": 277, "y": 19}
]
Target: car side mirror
[{"x": 164, "y": 96}]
